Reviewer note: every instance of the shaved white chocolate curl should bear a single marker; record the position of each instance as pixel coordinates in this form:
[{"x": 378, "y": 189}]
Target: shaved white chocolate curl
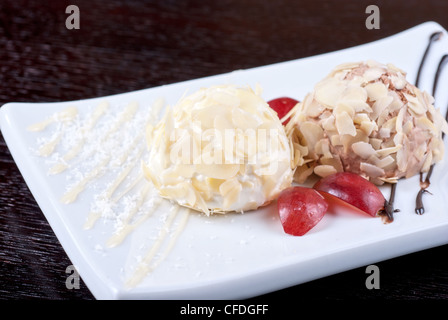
[
  {"x": 218, "y": 150},
  {"x": 368, "y": 119}
]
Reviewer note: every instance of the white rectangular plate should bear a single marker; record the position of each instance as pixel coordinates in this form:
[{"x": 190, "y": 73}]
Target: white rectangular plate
[{"x": 236, "y": 255}]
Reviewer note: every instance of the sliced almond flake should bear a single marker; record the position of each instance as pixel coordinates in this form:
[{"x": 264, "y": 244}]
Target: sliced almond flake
[
  {"x": 312, "y": 133},
  {"x": 228, "y": 185},
  {"x": 336, "y": 140},
  {"x": 388, "y": 143},
  {"x": 183, "y": 193},
  {"x": 302, "y": 173},
  {"x": 407, "y": 127},
  {"x": 203, "y": 188},
  {"x": 297, "y": 159},
  {"x": 373, "y": 73},
  {"x": 380, "y": 105},
  {"x": 381, "y": 163},
  {"x": 323, "y": 148},
  {"x": 425, "y": 124},
  {"x": 387, "y": 151},
  {"x": 328, "y": 123},
  {"x": 414, "y": 104},
  {"x": 326, "y": 148},
  {"x": 244, "y": 120},
  {"x": 395, "y": 68},
  {"x": 420, "y": 151},
  {"x": 218, "y": 171},
  {"x": 371, "y": 170},
  {"x": 251, "y": 102},
  {"x": 399, "y": 82},
  {"x": 416, "y": 109},
  {"x": 358, "y": 105},
  {"x": 206, "y": 116},
  {"x": 345, "y": 66},
  {"x": 390, "y": 124},
  {"x": 173, "y": 192},
  {"x": 354, "y": 93},
  {"x": 389, "y": 179},
  {"x": 373, "y": 63},
  {"x": 313, "y": 108},
  {"x": 398, "y": 138},
  {"x": 360, "y": 117},
  {"x": 376, "y": 143},
  {"x": 191, "y": 194},
  {"x": 318, "y": 147},
  {"x": 328, "y": 92},
  {"x": 376, "y": 90},
  {"x": 214, "y": 184},
  {"x": 368, "y": 127},
  {"x": 226, "y": 99},
  {"x": 363, "y": 149},
  {"x": 396, "y": 103},
  {"x": 420, "y": 97},
  {"x": 343, "y": 107},
  {"x": 302, "y": 149},
  {"x": 348, "y": 140},
  {"x": 344, "y": 124},
  {"x": 324, "y": 170},
  {"x": 384, "y": 133},
  {"x": 300, "y": 152},
  {"x": 383, "y": 117},
  {"x": 335, "y": 162},
  {"x": 201, "y": 204},
  {"x": 402, "y": 156},
  {"x": 223, "y": 123},
  {"x": 248, "y": 184}
]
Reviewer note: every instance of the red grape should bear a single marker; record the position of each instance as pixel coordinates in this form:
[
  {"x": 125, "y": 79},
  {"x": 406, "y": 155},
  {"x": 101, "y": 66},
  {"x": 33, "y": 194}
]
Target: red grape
[
  {"x": 300, "y": 209},
  {"x": 282, "y": 106},
  {"x": 353, "y": 190}
]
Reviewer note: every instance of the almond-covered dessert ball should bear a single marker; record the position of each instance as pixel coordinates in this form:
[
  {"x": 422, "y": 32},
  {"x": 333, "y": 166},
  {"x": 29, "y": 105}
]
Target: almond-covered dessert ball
[
  {"x": 218, "y": 150},
  {"x": 368, "y": 119}
]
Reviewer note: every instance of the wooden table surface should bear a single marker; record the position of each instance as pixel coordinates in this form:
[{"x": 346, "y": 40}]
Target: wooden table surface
[{"x": 123, "y": 46}]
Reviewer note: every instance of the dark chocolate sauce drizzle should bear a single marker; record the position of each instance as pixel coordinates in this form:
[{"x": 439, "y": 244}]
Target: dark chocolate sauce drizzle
[
  {"x": 388, "y": 212},
  {"x": 425, "y": 183},
  {"x": 433, "y": 38}
]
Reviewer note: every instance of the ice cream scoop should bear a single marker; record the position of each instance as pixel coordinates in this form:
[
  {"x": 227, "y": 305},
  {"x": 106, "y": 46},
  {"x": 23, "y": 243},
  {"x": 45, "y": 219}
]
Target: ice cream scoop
[
  {"x": 220, "y": 149},
  {"x": 366, "y": 118}
]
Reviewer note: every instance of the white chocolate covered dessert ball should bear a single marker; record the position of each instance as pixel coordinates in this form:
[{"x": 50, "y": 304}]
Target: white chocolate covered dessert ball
[{"x": 218, "y": 150}]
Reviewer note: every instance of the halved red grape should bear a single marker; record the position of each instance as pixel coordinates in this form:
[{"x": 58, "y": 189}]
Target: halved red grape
[
  {"x": 300, "y": 209},
  {"x": 354, "y": 191},
  {"x": 282, "y": 106}
]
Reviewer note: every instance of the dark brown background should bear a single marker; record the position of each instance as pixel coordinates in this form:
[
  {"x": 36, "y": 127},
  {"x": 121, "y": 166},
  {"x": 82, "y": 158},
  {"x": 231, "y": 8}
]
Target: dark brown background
[{"x": 130, "y": 45}]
